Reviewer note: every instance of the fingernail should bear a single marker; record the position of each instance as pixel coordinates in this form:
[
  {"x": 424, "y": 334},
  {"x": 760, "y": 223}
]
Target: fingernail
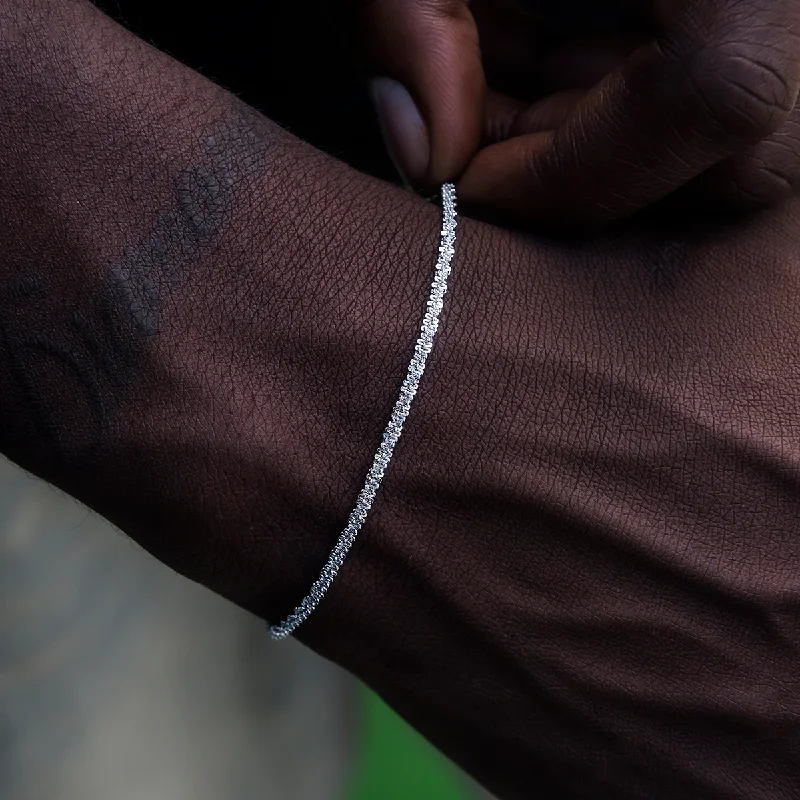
[{"x": 404, "y": 131}]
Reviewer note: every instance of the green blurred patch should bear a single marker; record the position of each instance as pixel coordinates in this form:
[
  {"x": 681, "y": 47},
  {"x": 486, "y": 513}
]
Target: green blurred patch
[{"x": 395, "y": 763}]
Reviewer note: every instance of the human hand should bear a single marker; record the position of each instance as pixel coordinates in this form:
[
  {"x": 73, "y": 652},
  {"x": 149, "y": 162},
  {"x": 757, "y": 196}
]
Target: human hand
[{"x": 623, "y": 104}]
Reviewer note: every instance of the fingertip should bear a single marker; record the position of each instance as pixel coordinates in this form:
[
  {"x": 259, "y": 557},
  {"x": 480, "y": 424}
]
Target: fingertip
[
  {"x": 404, "y": 131},
  {"x": 431, "y": 104}
]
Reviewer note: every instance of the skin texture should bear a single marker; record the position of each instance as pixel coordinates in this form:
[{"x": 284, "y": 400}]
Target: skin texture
[
  {"x": 594, "y": 110},
  {"x": 581, "y": 577}
]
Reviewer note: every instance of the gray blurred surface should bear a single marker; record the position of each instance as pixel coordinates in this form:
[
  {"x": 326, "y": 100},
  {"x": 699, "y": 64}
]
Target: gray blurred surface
[{"x": 119, "y": 680}]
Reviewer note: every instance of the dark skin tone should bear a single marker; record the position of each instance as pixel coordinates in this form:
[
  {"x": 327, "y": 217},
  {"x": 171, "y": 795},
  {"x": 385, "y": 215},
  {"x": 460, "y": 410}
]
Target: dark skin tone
[
  {"x": 581, "y": 577},
  {"x": 601, "y": 108}
]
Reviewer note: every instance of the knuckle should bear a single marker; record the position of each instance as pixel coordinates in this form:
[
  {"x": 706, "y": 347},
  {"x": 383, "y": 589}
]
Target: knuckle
[{"x": 743, "y": 95}]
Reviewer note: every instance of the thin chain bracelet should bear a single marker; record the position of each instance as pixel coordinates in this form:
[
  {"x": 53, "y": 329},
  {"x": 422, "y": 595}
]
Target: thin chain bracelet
[{"x": 366, "y": 497}]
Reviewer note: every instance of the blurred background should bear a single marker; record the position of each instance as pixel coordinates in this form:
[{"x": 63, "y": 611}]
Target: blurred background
[{"x": 120, "y": 680}]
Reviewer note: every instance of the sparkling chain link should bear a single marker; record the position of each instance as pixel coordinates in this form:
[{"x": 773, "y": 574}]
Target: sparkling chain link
[{"x": 430, "y": 324}]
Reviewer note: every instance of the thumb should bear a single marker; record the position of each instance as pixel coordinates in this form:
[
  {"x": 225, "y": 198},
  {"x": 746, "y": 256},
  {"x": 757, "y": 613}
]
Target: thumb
[{"x": 429, "y": 100}]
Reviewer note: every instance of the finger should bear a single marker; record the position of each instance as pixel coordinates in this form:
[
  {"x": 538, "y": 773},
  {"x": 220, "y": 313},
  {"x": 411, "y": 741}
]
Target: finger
[
  {"x": 501, "y": 114},
  {"x": 506, "y": 116},
  {"x": 768, "y": 173},
  {"x": 546, "y": 114},
  {"x": 670, "y": 112},
  {"x": 430, "y": 104}
]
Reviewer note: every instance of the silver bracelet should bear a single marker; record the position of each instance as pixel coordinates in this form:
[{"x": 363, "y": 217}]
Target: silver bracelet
[{"x": 366, "y": 497}]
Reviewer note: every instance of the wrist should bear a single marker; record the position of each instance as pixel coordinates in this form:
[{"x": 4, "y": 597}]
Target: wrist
[
  {"x": 229, "y": 426},
  {"x": 204, "y": 341},
  {"x": 255, "y": 422}
]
